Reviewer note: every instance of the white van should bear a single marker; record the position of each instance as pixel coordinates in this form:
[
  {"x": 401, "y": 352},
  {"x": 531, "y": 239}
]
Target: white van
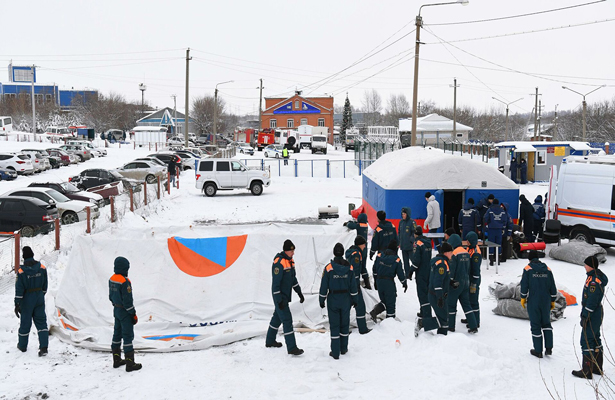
[
  {"x": 585, "y": 198},
  {"x": 6, "y": 125}
]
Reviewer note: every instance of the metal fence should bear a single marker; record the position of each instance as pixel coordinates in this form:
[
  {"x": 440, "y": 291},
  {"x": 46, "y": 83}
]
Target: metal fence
[{"x": 316, "y": 168}]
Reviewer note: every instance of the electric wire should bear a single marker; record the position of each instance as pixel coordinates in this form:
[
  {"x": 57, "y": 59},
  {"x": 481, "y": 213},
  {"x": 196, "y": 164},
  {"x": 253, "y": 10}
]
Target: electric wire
[{"x": 88, "y": 54}]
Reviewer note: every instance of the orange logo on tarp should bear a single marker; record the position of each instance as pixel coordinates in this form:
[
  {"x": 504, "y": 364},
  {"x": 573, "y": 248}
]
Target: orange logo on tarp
[{"x": 206, "y": 256}]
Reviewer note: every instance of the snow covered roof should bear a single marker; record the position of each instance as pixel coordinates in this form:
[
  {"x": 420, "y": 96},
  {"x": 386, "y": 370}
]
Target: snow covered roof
[
  {"x": 524, "y": 147},
  {"x": 431, "y": 123},
  {"x": 420, "y": 168},
  {"x": 574, "y": 145}
]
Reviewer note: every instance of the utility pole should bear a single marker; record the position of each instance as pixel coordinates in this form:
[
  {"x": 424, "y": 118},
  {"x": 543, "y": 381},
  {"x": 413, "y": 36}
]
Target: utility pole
[
  {"x": 584, "y": 105},
  {"x": 215, "y": 115},
  {"x": 555, "y": 123},
  {"x": 539, "y": 118},
  {"x": 455, "y": 86},
  {"x": 186, "y": 118},
  {"x": 260, "y": 107},
  {"x": 34, "y": 104},
  {"x": 535, "y": 113},
  {"x": 174, "y": 114},
  {"x": 415, "y": 88}
]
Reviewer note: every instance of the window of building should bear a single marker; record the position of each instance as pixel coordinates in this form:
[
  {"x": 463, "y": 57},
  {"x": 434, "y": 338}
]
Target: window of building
[
  {"x": 297, "y": 104},
  {"x": 290, "y": 123},
  {"x": 541, "y": 157},
  {"x": 38, "y": 98},
  {"x": 321, "y": 122},
  {"x": 273, "y": 123},
  {"x": 48, "y": 98},
  {"x": 303, "y": 121}
]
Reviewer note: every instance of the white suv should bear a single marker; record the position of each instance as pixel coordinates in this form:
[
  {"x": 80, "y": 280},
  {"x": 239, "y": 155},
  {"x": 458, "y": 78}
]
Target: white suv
[
  {"x": 19, "y": 163},
  {"x": 215, "y": 174}
]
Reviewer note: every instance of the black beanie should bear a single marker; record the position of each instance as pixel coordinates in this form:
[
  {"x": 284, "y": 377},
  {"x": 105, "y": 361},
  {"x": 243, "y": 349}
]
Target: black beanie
[
  {"x": 418, "y": 231},
  {"x": 427, "y": 195},
  {"x": 532, "y": 254},
  {"x": 359, "y": 240},
  {"x": 471, "y": 200},
  {"x": 450, "y": 231},
  {"x": 496, "y": 201},
  {"x": 491, "y": 196},
  {"x": 445, "y": 248},
  {"x": 338, "y": 250},
  {"x": 392, "y": 245},
  {"x": 27, "y": 252},
  {"x": 591, "y": 261},
  {"x": 381, "y": 215},
  {"x": 288, "y": 245}
]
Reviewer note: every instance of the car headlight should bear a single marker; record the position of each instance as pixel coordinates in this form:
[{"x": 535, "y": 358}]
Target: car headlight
[{"x": 92, "y": 201}]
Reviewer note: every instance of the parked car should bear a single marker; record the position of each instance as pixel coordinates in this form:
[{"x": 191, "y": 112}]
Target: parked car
[
  {"x": 70, "y": 211},
  {"x": 96, "y": 151},
  {"x": 209, "y": 149},
  {"x": 19, "y": 163},
  {"x": 273, "y": 150},
  {"x": 152, "y": 159},
  {"x": 72, "y": 192},
  {"x": 90, "y": 178},
  {"x": 165, "y": 157},
  {"x": 142, "y": 171},
  {"x": 61, "y": 154},
  {"x": 29, "y": 214},
  {"x": 114, "y": 135},
  {"x": 37, "y": 161},
  {"x": 245, "y": 148},
  {"x": 79, "y": 150},
  {"x": 55, "y": 162},
  {"x": 7, "y": 174},
  {"x": 188, "y": 159},
  {"x": 215, "y": 174},
  {"x": 179, "y": 141}
]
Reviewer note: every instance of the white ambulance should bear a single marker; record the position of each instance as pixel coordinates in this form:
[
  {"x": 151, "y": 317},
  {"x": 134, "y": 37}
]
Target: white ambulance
[{"x": 584, "y": 200}]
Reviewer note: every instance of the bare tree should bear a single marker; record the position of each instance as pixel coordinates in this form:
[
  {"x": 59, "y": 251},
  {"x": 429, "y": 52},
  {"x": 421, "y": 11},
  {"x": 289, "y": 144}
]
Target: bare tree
[
  {"x": 372, "y": 107},
  {"x": 203, "y": 114},
  {"x": 397, "y": 107}
]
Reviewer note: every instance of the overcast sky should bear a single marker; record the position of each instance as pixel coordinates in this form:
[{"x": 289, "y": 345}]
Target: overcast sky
[{"x": 112, "y": 46}]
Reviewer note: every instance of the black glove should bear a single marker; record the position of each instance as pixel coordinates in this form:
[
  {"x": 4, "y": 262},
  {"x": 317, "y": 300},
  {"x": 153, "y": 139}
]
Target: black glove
[
  {"x": 376, "y": 284},
  {"x": 454, "y": 284},
  {"x": 583, "y": 322},
  {"x": 367, "y": 284},
  {"x": 355, "y": 304},
  {"x": 440, "y": 302},
  {"x": 18, "y": 310},
  {"x": 405, "y": 285},
  {"x": 345, "y": 223},
  {"x": 301, "y": 298},
  {"x": 410, "y": 275},
  {"x": 283, "y": 304},
  {"x": 371, "y": 256},
  {"x": 322, "y": 305}
]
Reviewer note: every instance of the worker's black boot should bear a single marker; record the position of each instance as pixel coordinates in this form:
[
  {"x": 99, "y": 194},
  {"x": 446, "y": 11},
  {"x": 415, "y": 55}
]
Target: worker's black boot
[
  {"x": 586, "y": 371},
  {"x": 597, "y": 364},
  {"x": 377, "y": 310},
  {"x": 131, "y": 365},
  {"x": 117, "y": 360}
]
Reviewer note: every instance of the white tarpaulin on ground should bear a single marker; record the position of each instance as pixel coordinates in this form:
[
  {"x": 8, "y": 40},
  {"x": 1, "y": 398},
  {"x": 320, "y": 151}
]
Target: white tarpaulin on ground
[{"x": 185, "y": 302}]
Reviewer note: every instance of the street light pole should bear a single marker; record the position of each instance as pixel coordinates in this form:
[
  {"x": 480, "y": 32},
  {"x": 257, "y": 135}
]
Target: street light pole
[
  {"x": 415, "y": 89},
  {"x": 584, "y": 105},
  {"x": 142, "y": 88},
  {"x": 506, "y": 104},
  {"x": 216, "y": 109}
]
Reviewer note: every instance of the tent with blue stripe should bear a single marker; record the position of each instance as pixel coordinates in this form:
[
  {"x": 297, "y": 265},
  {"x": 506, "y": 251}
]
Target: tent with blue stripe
[{"x": 401, "y": 179}]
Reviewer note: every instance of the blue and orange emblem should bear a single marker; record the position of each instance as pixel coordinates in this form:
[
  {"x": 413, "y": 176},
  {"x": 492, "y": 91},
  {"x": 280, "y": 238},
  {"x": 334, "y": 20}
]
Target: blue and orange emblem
[{"x": 206, "y": 256}]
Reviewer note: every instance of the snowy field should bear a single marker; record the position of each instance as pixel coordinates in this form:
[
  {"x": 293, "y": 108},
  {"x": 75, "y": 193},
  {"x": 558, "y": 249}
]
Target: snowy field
[{"x": 388, "y": 363}]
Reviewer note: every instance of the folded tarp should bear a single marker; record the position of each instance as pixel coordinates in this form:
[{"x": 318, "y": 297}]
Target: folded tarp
[
  {"x": 509, "y": 301},
  {"x": 576, "y": 251}
]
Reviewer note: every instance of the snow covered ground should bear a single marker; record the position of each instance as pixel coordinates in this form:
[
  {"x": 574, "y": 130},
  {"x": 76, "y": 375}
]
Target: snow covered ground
[{"x": 388, "y": 363}]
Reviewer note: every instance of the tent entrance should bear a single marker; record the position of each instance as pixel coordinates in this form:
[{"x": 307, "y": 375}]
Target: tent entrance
[{"x": 452, "y": 204}]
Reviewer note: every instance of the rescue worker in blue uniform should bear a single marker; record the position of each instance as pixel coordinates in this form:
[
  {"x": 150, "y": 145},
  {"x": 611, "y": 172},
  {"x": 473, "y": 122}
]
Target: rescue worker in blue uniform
[
  {"x": 539, "y": 216},
  {"x": 538, "y": 294},
  {"x": 284, "y": 279},
  {"x": 339, "y": 288},
  {"x": 125, "y": 315},
  {"x": 482, "y": 208},
  {"x": 383, "y": 234},
  {"x": 592, "y": 315},
  {"x": 476, "y": 259},
  {"x": 30, "y": 289},
  {"x": 421, "y": 265},
  {"x": 361, "y": 226},
  {"x": 405, "y": 230},
  {"x": 386, "y": 267},
  {"x": 460, "y": 267},
  {"x": 439, "y": 283},
  {"x": 354, "y": 255},
  {"x": 469, "y": 219},
  {"x": 506, "y": 234},
  {"x": 495, "y": 221}
]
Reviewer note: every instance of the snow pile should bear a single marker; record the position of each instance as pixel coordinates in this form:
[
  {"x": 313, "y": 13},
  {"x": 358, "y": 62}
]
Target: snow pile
[{"x": 419, "y": 168}]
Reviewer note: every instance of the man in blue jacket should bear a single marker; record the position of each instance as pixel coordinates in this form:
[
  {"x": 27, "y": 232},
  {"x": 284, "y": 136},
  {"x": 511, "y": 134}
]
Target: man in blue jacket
[
  {"x": 460, "y": 266},
  {"x": 469, "y": 219},
  {"x": 439, "y": 283},
  {"x": 120, "y": 295},
  {"x": 361, "y": 226},
  {"x": 338, "y": 287},
  {"x": 592, "y": 315},
  {"x": 539, "y": 216},
  {"x": 30, "y": 289},
  {"x": 405, "y": 230},
  {"x": 421, "y": 265},
  {"x": 284, "y": 279},
  {"x": 495, "y": 221},
  {"x": 538, "y": 294},
  {"x": 383, "y": 234},
  {"x": 476, "y": 259},
  {"x": 482, "y": 208},
  {"x": 386, "y": 267},
  {"x": 354, "y": 256}
]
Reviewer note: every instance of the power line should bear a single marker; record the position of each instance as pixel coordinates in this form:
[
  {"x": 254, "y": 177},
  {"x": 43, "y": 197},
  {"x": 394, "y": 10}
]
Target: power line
[
  {"x": 86, "y": 54},
  {"x": 516, "y": 16},
  {"x": 528, "y": 32}
]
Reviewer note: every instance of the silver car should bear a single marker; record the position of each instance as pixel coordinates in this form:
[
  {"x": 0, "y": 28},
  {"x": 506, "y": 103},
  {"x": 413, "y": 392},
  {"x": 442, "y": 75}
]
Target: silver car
[
  {"x": 142, "y": 171},
  {"x": 79, "y": 150}
]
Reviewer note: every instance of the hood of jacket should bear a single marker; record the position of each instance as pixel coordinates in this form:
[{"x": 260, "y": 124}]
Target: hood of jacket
[
  {"x": 472, "y": 238},
  {"x": 600, "y": 275},
  {"x": 362, "y": 218},
  {"x": 506, "y": 206},
  {"x": 432, "y": 198},
  {"x": 407, "y": 211},
  {"x": 538, "y": 199},
  {"x": 538, "y": 265},
  {"x": 385, "y": 224},
  {"x": 121, "y": 266},
  {"x": 454, "y": 240},
  {"x": 524, "y": 200},
  {"x": 468, "y": 206}
]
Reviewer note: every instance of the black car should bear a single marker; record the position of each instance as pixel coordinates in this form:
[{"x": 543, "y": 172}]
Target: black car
[
  {"x": 164, "y": 157},
  {"x": 90, "y": 178},
  {"x": 32, "y": 216},
  {"x": 71, "y": 191}
]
